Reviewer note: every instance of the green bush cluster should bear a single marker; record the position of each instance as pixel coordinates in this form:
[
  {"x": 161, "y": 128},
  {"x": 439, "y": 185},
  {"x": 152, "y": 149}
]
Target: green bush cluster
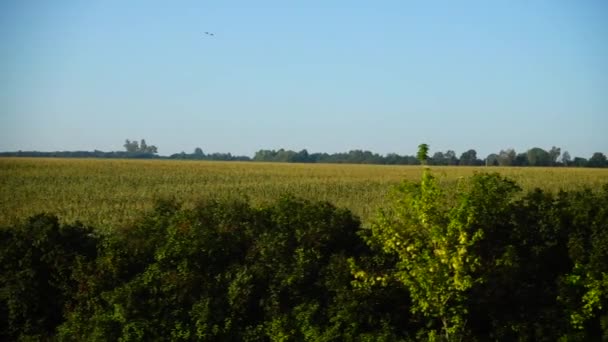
[
  {"x": 220, "y": 271},
  {"x": 481, "y": 262},
  {"x": 486, "y": 262}
]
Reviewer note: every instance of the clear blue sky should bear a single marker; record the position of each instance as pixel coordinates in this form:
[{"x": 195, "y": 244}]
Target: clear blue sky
[{"x": 328, "y": 76}]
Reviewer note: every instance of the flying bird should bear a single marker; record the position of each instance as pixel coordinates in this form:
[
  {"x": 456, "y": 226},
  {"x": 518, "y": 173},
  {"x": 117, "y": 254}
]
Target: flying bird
[{"x": 210, "y": 34}]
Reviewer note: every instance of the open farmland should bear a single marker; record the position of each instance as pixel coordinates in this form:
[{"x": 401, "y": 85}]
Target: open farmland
[{"x": 105, "y": 193}]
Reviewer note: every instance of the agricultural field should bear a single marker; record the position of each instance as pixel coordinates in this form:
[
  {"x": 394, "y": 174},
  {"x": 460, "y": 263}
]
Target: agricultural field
[{"x": 106, "y": 193}]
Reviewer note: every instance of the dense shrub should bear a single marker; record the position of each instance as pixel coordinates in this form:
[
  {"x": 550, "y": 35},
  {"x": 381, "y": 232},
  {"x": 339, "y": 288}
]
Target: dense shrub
[
  {"x": 486, "y": 263},
  {"x": 584, "y": 289},
  {"x": 37, "y": 282},
  {"x": 479, "y": 262},
  {"x": 228, "y": 271}
]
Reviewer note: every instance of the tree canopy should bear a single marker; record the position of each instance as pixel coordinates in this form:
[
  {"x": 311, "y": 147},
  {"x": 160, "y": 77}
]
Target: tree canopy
[{"x": 139, "y": 148}]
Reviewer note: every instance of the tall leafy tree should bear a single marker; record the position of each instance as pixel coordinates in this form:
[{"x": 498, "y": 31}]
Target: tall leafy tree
[
  {"x": 131, "y": 146},
  {"x": 450, "y": 157},
  {"x": 554, "y": 154},
  {"x": 423, "y": 153},
  {"x": 143, "y": 147},
  {"x": 566, "y": 159},
  {"x": 439, "y": 246},
  {"x": 521, "y": 159},
  {"x": 469, "y": 158},
  {"x": 438, "y": 158},
  {"x": 492, "y": 160},
  {"x": 507, "y": 157},
  {"x": 539, "y": 157},
  {"x": 578, "y": 161},
  {"x": 598, "y": 160}
]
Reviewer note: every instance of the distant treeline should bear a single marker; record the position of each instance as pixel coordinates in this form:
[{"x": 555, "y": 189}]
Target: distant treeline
[
  {"x": 533, "y": 157},
  {"x": 123, "y": 154},
  {"x": 81, "y": 154}
]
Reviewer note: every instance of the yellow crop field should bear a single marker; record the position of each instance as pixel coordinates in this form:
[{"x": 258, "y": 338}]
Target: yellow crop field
[{"x": 107, "y": 192}]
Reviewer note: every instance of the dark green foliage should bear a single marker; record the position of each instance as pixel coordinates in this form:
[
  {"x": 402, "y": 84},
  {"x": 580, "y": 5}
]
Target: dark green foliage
[
  {"x": 423, "y": 153},
  {"x": 37, "y": 260},
  {"x": 200, "y": 155},
  {"x": 485, "y": 263},
  {"x": 470, "y": 158},
  {"x": 481, "y": 262},
  {"x": 538, "y": 157},
  {"x": 524, "y": 256},
  {"x": 227, "y": 271},
  {"x": 350, "y": 157},
  {"x": 584, "y": 289},
  {"x": 598, "y": 160},
  {"x": 579, "y": 162},
  {"x": 133, "y": 147}
]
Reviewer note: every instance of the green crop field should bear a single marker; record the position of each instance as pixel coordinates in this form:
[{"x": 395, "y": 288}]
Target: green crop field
[{"x": 105, "y": 193}]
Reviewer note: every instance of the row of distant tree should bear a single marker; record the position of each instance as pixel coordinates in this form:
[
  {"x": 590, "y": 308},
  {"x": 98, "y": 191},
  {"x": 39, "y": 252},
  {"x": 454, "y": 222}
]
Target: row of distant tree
[
  {"x": 533, "y": 157},
  {"x": 81, "y": 154},
  {"x": 133, "y": 149},
  {"x": 200, "y": 155}
]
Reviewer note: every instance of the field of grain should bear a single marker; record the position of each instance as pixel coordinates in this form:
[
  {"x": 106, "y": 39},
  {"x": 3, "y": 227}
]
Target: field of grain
[{"x": 105, "y": 193}]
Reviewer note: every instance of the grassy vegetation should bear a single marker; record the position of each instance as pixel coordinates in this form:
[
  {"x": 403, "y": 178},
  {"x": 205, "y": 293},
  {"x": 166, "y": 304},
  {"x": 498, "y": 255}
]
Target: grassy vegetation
[{"x": 104, "y": 193}]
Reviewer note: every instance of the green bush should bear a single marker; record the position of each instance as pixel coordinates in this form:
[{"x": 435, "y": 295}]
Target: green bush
[
  {"x": 584, "y": 289},
  {"x": 37, "y": 282},
  {"x": 228, "y": 271},
  {"x": 479, "y": 262},
  {"x": 486, "y": 263}
]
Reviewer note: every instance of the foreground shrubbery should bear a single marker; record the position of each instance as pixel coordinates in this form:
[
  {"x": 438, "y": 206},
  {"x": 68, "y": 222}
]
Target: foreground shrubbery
[
  {"x": 221, "y": 271},
  {"x": 483, "y": 262},
  {"x": 486, "y": 263}
]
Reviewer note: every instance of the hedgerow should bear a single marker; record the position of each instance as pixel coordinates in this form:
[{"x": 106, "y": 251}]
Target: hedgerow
[{"x": 482, "y": 261}]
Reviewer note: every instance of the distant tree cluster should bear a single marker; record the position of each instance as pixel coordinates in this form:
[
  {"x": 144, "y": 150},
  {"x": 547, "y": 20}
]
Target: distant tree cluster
[
  {"x": 351, "y": 157},
  {"x": 533, "y": 157},
  {"x": 142, "y": 147},
  {"x": 200, "y": 155},
  {"x": 79, "y": 154},
  {"x": 539, "y": 157}
]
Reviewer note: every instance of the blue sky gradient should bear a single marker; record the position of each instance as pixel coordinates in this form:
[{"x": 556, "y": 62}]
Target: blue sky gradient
[{"x": 328, "y": 76}]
